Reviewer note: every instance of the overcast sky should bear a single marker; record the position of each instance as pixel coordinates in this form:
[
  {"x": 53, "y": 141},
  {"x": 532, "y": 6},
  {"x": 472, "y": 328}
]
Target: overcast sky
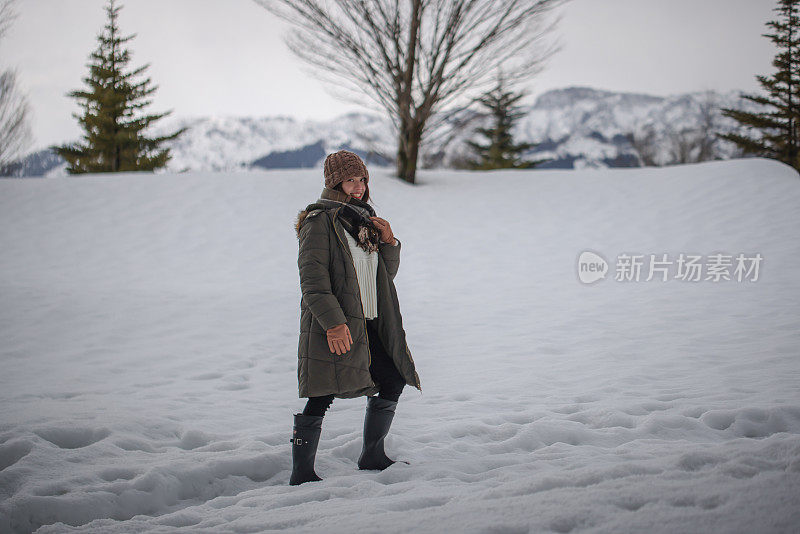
[{"x": 227, "y": 57}]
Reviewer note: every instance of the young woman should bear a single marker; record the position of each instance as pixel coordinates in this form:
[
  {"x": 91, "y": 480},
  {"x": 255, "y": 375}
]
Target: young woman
[{"x": 352, "y": 341}]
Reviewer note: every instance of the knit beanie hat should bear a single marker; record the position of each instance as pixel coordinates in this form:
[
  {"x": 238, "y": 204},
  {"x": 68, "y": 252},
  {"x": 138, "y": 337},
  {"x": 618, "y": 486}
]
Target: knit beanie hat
[{"x": 342, "y": 165}]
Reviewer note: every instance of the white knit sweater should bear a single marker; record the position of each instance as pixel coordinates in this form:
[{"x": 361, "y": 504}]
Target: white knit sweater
[{"x": 367, "y": 272}]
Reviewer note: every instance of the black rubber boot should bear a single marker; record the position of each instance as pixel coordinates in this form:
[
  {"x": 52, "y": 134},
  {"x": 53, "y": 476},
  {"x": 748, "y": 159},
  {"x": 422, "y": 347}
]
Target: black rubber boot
[
  {"x": 305, "y": 439},
  {"x": 377, "y": 421}
]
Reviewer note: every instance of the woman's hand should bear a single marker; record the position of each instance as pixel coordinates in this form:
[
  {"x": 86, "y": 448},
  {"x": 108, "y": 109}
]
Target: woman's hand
[
  {"x": 339, "y": 339},
  {"x": 383, "y": 227}
]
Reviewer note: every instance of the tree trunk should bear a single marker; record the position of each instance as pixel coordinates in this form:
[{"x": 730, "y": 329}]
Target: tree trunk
[
  {"x": 408, "y": 150},
  {"x": 408, "y": 144}
]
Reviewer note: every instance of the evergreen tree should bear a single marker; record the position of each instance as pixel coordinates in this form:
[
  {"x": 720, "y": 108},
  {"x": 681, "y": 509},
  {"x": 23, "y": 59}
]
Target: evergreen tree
[
  {"x": 113, "y": 140},
  {"x": 779, "y": 122},
  {"x": 500, "y": 152}
]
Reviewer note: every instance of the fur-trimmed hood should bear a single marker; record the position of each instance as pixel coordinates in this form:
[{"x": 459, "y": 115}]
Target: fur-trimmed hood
[
  {"x": 318, "y": 207},
  {"x": 301, "y": 216}
]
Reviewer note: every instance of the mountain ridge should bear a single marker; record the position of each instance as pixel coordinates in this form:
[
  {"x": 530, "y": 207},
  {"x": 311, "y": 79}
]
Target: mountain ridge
[{"x": 574, "y": 127}]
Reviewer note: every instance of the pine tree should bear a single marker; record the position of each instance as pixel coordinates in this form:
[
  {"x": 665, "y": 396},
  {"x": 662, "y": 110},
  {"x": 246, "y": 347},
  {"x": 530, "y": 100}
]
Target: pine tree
[
  {"x": 779, "y": 123},
  {"x": 500, "y": 152},
  {"x": 113, "y": 138}
]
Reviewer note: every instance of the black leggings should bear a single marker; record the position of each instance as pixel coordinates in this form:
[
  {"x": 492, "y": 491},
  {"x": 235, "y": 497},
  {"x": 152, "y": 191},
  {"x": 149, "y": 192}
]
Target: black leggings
[{"x": 383, "y": 371}]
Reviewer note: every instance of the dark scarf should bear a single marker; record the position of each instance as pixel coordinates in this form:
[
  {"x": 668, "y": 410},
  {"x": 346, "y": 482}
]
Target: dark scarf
[{"x": 355, "y": 217}]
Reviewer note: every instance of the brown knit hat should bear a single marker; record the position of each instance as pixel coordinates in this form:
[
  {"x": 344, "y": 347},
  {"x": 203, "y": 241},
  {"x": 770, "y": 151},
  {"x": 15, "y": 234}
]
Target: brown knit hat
[{"x": 342, "y": 165}]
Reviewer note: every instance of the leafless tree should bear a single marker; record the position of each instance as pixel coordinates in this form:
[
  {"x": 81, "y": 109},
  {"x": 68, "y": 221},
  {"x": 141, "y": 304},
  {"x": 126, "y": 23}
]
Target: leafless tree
[
  {"x": 7, "y": 16},
  {"x": 15, "y": 134},
  {"x": 643, "y": 141},
  {"x": 691, "y": 144},
  {"x": 709, "y": 114},
  {"x": 683, "y": 145},
  {"x": 698, "y": 143},
  {"x": 413, "y": 58}
]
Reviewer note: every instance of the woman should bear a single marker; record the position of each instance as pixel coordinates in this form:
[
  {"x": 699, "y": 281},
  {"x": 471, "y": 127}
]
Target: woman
[{"x": 352, "y": 341}]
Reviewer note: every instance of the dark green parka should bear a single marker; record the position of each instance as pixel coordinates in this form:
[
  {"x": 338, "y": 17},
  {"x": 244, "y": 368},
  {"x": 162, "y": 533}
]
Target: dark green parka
[{"x": 330, "y": 297}]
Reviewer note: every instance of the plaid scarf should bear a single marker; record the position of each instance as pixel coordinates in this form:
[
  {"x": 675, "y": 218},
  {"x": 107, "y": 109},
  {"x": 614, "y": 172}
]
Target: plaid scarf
[{"x": 355, "y": 217}]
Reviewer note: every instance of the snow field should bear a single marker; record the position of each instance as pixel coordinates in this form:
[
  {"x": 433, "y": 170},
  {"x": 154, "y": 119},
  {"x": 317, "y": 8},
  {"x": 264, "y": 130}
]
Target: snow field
[{"x": 148, "y": 339}]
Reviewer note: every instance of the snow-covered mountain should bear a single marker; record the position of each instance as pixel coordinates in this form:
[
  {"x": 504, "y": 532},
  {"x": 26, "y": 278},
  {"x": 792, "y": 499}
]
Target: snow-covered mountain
[
  {"x": 228, "y": 143},
  {"x": 574, "y": 127},
  {"x": 580, "y": 127}
]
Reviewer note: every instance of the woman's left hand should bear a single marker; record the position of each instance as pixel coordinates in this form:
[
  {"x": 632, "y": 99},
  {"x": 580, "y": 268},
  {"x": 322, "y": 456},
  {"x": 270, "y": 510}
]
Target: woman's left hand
[{"x": 383, "y": 227}]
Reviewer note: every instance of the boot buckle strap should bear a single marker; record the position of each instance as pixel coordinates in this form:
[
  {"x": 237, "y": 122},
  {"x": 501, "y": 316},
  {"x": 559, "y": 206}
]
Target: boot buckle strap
[{"x": 296, "y": 441}]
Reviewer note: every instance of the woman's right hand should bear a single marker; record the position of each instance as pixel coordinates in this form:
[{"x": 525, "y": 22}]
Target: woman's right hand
[{"x": 339, "y": 339}]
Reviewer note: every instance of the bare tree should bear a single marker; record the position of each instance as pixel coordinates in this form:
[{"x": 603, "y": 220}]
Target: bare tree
[
  {"x": 413, "y": 58},
  {"x": 708, "y": 126},
  {"x": 691, "y": 144},
  {"x": 683, "y": 145},
  {"x": 698, "y": 143},
  {"x": 643, "y": 141},
  {"x": 15, "y": 134}
]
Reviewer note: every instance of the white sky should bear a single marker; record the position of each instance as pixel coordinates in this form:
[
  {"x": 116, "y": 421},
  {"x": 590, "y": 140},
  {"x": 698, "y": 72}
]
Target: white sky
[{"x": 227, "y": 57}]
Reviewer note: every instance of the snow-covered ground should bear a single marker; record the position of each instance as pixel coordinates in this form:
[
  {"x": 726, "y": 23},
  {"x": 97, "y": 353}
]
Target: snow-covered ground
[{"x": 148, "y": 341}]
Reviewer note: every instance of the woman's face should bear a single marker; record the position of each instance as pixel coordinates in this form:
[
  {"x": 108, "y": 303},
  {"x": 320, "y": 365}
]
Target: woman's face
[{"x": 355, "y": 186}]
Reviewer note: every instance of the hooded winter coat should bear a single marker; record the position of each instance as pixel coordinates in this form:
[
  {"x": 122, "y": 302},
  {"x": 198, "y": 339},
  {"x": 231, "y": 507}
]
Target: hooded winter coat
[{"x": 330, "y": 297}]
